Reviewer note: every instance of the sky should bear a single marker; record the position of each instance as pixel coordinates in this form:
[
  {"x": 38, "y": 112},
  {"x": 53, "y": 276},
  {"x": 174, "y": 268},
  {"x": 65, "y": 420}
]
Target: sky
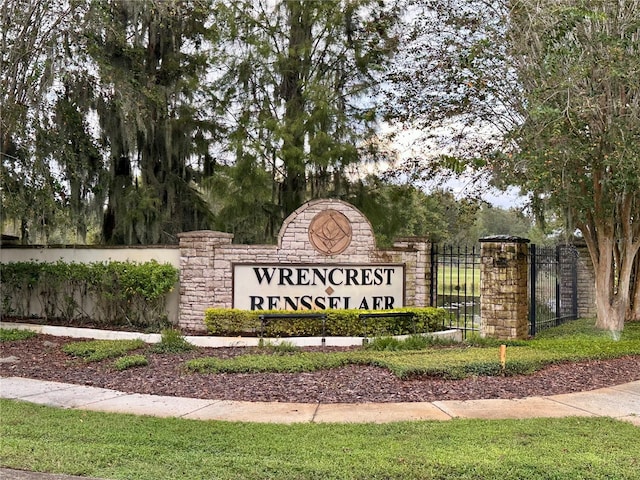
[{"x": 407, "y": 143}]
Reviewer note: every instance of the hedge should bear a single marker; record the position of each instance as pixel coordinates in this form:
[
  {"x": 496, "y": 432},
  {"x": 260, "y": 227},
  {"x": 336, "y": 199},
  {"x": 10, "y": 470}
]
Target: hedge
[
  {"x": 121, "y": 293},
  {"x": 234, "y": 322}
]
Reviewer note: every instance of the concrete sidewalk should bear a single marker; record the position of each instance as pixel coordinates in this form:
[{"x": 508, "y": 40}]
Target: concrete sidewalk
[{"x": 621, "y": 402}]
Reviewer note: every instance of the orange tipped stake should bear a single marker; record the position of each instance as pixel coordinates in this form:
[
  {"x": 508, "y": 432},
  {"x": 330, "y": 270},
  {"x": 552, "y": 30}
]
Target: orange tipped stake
[{"x": 503, "y": 356}]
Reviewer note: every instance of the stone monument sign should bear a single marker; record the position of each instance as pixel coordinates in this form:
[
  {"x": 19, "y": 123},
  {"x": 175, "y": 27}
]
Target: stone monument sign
[{"x": 325, "y": 258}]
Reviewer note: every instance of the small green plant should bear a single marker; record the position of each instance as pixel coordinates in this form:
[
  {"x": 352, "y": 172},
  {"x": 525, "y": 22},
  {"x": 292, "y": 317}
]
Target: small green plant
[
  {"x": 284, "y": 346},
  {"x": 97, "y": 350},
  {"x": 412, "y": 342},
  {"x": 172, "y": 341},
  {"x": 130, "y": 361},
  {"x": 295, "y": 363},
  {"x": 380, "y": 344},
  {"x": 13, "y": 334}
]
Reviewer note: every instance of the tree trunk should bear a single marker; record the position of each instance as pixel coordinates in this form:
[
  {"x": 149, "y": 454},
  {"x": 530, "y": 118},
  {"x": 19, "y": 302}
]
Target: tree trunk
[
  {"x": 633, "y": 312},
  {"x": 294, "y": 72},
  {"x": 614, "y": 277}
]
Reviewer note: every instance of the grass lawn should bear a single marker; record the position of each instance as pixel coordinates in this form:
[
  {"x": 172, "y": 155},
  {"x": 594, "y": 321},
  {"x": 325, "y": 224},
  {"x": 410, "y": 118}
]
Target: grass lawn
[
  {"x": 454, "y": 278},
  {"x": 115, "y": 446}
]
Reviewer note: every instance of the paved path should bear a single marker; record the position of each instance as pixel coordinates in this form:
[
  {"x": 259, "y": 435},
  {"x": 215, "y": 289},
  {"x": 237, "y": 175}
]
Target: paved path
[{"x": 621, "y": 402}]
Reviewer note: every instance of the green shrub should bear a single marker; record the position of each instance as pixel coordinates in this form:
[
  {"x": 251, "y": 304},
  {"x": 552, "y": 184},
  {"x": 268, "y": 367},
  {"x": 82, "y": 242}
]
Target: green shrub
[
  {"x": 296, "y": 363},
  {"x": 233, "y": 322},
  {"x": 130, "y": 361},
  {"x": 13, "y": 334},
  {"x": 124, "y": 293},
  {"x": 172, "y": 341},
  {"x": 97, "y": 350},
  {"x": 381, "y": 344}
]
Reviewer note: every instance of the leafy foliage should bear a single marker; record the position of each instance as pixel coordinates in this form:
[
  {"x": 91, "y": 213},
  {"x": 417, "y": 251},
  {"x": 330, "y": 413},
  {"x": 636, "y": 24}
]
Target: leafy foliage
[
  {"x": 281, "y": 348},
  {"x": 149, "y": 116},
  {"x": 14, "y": 334},
  {"x": 412, "y": 342},
  {"x": 299, "y": 77},
  {"x": 578, "y": 64},
  {"x": 221, "y": 321},
  {"x": 172, "y": 341},
  {"x": 130, "y": 361},
  {"x": 98, "y": 350},
  {"x": 123, "y": 292},
  {"x": 543, "y": 96}
]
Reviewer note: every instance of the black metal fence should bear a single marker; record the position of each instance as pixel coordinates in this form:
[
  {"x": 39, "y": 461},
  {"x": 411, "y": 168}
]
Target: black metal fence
[
  {"x": 455, "y": 285},
  {"x": 553, "y": 286}
]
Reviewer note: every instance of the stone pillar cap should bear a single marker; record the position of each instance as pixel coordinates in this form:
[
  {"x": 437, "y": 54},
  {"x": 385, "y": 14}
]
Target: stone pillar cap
[{"x": 504, "y": 239}]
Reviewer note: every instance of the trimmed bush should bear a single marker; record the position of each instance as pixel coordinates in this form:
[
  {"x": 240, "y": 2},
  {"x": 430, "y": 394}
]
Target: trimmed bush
[{"x": 233, "y": 322}]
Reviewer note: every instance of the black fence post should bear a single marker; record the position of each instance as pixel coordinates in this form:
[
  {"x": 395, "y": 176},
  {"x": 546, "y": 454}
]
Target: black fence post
[
  {"x": 559, "y": 274},
  {"x": 533, "y": 274},
  {"x": 434, "y": 275}
]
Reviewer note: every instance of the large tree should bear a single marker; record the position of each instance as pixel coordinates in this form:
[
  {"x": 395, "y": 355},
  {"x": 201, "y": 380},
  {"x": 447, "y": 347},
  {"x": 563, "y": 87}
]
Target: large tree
[
  {"x": 543, "y": 94},
  {"x": 301, "y": 79},
  {"x": 31, "y": 60},
  {"x": 579, "y": 144},
  {"x": 151, "y": 63}
]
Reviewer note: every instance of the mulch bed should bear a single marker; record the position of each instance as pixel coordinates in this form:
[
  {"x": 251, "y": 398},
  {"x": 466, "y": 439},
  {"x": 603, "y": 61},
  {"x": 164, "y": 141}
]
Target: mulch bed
[{"x": 42, "y": 358}]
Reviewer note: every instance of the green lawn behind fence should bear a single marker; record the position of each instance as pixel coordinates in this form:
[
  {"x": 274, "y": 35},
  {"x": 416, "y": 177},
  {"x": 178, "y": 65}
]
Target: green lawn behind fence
[{"x": 454, "y": 278}]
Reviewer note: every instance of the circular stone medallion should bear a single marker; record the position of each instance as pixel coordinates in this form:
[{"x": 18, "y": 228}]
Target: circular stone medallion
[{"x": 330, "y": 232}]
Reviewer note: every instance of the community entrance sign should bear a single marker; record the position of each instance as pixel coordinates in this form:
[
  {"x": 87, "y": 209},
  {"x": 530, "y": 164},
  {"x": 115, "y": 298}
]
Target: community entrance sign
[
  {"x": 318, "y": 287},
  {"x": 325, "y": 258}
]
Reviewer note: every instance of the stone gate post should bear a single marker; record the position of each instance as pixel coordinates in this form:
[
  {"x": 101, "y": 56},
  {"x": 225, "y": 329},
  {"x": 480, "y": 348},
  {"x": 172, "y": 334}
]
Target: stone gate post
[{"x": 504, "y": 310}]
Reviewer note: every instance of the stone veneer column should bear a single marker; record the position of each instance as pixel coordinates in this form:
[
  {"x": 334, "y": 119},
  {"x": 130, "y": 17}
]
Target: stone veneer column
[
  {"x": 197, "y": 275},
  {"x": 416, "y": 255},
  {"x": 567, "y": 256},
  {"x": 504, "y": 276},
  {"x": 586, "y": 287}
]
